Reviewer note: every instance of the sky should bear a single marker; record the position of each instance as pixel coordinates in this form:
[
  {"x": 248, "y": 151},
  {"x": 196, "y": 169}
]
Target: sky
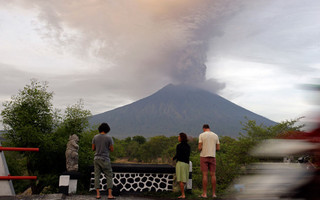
[{"x": 109, "y": 53}]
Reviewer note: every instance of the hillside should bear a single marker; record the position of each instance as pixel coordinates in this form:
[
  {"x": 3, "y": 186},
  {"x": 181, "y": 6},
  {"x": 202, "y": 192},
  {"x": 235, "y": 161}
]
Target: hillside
[{"x": 175, "y": 109}]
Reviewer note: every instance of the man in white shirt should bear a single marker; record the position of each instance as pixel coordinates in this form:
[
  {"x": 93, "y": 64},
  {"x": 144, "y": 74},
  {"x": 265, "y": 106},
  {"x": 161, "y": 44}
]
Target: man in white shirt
[{"x": 208, "y": 145}]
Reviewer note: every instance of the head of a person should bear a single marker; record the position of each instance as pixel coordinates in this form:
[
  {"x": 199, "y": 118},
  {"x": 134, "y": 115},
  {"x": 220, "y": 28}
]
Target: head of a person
[
  {"x": 104, "y": 127},
  {"x": 206, "y": 127},
  {"x": 183, "y": 137}
]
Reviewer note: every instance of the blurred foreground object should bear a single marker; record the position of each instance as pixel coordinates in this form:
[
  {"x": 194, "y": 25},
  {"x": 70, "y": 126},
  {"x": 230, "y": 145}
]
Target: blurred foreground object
[{"x": 292, "y": 170}]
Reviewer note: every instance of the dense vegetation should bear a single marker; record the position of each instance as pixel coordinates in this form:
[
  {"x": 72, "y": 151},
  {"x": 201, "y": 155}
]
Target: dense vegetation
[{"x": 31, "y": 121}]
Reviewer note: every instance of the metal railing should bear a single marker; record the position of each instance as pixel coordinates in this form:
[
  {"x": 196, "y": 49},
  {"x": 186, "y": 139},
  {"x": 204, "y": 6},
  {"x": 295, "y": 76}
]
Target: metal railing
[{"x": 9, "y": 177}]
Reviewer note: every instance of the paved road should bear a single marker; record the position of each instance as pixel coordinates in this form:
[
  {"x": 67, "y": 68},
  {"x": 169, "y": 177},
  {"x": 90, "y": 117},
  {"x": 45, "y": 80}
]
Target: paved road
[
  {"x": 85, "y": 197},
  {"x": 76, "y": 197}
]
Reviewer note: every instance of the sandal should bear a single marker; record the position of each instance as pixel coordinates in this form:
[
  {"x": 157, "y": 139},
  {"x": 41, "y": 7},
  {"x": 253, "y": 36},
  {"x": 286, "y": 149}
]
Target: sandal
[{"x": 203, "y": 197}]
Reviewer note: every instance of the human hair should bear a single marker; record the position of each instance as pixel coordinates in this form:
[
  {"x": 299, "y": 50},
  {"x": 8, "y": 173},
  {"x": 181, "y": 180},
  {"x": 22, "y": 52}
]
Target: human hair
[
  {"x": 206, "y": 126},
  {"x": 183, "y": 137},
  {"x": 104, "y": 127}
]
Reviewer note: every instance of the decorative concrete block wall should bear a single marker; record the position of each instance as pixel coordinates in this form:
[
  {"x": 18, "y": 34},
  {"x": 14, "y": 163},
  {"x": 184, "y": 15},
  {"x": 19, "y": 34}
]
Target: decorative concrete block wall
[{"x": 138, "y": 178}]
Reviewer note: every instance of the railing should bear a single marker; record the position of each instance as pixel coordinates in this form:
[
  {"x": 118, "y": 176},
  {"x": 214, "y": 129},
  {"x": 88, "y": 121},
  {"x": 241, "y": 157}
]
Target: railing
[
  {"x": 18, "y": 149},
  {"x": 9, "y": 177},
  {"x": 18, "y": 177},
  {"x": 6, "y": 187}
]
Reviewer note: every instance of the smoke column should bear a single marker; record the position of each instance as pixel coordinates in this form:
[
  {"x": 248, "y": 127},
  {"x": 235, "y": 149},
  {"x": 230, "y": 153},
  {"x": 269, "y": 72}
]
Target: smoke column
[{"x": 164, "y": 39}]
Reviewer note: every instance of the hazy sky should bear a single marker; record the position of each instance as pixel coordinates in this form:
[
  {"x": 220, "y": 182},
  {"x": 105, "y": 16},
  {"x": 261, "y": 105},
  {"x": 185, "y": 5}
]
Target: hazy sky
[{"x": 109, "y": 53}]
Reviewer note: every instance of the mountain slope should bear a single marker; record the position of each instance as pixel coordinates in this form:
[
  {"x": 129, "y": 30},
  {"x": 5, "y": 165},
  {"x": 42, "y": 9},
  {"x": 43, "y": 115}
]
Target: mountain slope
[{"x": 175, "y": 109}]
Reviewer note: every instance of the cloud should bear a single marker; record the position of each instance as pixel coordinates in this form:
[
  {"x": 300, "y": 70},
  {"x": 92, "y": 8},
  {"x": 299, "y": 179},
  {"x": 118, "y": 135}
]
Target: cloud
[
  {"x": 282, "y": 33},
  {"x": 141, "y": 41},
  {"x": 114, "y": 52},
  {"x": 10, "y": 78}
]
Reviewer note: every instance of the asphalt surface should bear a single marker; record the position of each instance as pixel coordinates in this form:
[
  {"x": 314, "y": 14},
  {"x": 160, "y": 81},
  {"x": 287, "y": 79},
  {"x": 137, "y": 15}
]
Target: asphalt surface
[
  {"x": 73, "y": 197},
  {"x": 89, "y": 197}
]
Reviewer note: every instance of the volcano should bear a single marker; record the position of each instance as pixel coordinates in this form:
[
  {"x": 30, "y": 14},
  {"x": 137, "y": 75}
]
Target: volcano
[{"x": 178, "y": 108}]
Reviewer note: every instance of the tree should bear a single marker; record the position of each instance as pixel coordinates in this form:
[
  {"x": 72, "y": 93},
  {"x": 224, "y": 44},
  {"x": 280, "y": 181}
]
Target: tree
[
  {"x": 139, "y": 139},
  {"x": 76, "y": 118},
  {"x": 29, "y": 116},
  {"x": 31, "y": 121}
]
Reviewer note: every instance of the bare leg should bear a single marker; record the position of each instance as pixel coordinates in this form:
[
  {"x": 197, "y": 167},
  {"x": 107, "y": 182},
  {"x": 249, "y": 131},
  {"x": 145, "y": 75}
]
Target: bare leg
[
  {"x": 98, "y": 193},
  {"x": 204, "y": 183},
  {"x": 182, "y": 190},
  {"x": 213, "y": 183},
  {"x": 110, "y": 194}
]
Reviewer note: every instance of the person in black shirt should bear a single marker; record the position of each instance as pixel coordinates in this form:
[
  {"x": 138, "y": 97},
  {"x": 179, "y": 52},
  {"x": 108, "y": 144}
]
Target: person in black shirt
[{"x": 182, "y": 166}]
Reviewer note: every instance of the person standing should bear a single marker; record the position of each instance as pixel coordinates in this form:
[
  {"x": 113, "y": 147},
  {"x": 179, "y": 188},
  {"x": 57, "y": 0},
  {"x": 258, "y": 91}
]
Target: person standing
[
  {"x": 102, "y": 144},
  {"x": 208, "y": 145},
  {"x": 182, "y": 166}
]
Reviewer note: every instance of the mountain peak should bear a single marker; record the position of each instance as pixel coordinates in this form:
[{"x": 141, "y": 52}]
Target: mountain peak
[{"x": 178, "y": 108}]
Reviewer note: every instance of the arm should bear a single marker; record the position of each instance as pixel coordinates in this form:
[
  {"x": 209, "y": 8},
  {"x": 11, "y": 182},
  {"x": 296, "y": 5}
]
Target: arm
[
  {"x": 175, "y": 157},
  {"x": 200, "y": 146},
  {"x": 111, "y": 148},
  {"x": 93, "y": 147},
  {"x": 217, "y": 147}
]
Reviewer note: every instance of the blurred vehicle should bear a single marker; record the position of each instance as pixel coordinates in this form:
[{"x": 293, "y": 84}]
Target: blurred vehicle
[{"x": 289, "y": 179}]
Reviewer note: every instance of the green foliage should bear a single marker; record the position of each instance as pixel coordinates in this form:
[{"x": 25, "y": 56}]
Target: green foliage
[
  {"x": 120, "y": 149},
  {"x": 86, "y": 155},
  {"x": 30, "y": 121},
  {"x": 76, "y": 119},
  {"x": 157, "y": 147},
  {"x": 139, "y": 139},
  {"x": 257, "y": 133},
  {"x": 196, "y": 172},
  {"x": 28, "y": 117},
  {"x": 17, "y": 166}
]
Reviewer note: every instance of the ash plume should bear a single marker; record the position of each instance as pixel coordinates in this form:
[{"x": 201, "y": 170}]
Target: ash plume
[{"x": 139, "y": 41}]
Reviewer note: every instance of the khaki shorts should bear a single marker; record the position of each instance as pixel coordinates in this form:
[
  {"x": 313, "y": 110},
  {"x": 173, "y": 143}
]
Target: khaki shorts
[
  {"x": 103, "y": 166},
  {"x": 208, "y": 163}
]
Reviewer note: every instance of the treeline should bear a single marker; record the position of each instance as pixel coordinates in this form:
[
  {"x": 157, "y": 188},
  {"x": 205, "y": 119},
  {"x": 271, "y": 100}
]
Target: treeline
[
  {"x": 31, "y": 121},
  {"x": 157, "y": 149}
]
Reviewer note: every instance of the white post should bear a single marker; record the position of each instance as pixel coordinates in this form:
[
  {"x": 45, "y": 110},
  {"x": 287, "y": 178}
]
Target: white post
[
  {"x": 6, "y": 187},
  {"x": 64, "y": 182},
  {"x": 189, "y": 183}
]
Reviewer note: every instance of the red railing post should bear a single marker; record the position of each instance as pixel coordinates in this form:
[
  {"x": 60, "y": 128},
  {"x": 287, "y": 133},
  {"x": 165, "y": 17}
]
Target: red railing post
[
  {"x": 17, "y": 149},
  {"x": 18, "y": 177}
]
